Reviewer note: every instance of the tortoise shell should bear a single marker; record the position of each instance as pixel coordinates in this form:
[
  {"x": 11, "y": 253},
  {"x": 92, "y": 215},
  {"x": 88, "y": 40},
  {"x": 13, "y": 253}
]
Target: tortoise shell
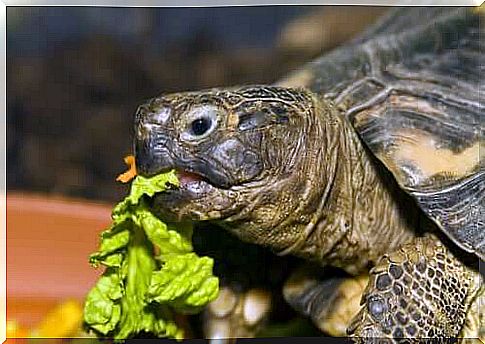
[{"x": 411, "y": 86}]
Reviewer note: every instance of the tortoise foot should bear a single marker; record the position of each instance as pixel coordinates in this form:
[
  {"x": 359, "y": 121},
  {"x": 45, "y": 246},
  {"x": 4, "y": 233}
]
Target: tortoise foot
[{"x": 420, "y": 291}]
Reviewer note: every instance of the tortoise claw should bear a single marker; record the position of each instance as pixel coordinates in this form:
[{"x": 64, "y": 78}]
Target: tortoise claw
[
  {"x": 329, "y": 301},
  {"x": 236, "y": 315}
]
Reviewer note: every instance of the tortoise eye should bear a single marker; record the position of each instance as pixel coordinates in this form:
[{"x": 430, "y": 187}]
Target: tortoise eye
[
  {"x": 200, "y": 123},
  {"x": 200, "y": 126}
]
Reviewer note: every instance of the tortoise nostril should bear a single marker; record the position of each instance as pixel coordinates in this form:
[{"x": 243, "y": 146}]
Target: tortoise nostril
[
  {"x": 161, "y": 116},
  {"x": 152, "y": 156}
]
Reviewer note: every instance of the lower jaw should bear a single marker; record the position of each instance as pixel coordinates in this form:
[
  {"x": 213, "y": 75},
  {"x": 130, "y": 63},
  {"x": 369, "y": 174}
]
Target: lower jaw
[{"x": 172, "y": 206}]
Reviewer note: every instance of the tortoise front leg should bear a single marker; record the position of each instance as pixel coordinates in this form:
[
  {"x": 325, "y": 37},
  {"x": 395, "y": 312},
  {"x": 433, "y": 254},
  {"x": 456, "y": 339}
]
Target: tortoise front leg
[
  {"x": 420, "y": 291},
  {"x": 248, "y": 274},
  {"x": 330, "y": 300},
  {"x": 236, "y": 314}
]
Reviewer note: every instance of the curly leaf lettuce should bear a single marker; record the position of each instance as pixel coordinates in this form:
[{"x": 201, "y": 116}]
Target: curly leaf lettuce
[
  {"x": 185, "y": 282},
  {"x": 140, "y": 290}
]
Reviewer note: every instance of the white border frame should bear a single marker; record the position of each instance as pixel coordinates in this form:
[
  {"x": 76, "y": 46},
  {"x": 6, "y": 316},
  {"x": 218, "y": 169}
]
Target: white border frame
[
  {"x": 214, "y": 3},
  {"x": 134, "y": 3},
  {"x": 3, "y": 175}
]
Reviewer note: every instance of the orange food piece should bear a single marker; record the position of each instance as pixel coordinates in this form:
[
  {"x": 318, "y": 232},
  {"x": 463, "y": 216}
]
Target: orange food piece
[{"x": 131, "y": 173}]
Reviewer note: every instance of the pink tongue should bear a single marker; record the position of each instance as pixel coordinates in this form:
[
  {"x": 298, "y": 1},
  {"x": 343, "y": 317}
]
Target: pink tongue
[{"x": 187, "y": 177}]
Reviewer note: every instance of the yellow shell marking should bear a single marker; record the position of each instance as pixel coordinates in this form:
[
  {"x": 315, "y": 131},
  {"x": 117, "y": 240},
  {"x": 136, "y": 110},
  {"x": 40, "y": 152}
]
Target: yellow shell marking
[{"x": 420, "y": 149}]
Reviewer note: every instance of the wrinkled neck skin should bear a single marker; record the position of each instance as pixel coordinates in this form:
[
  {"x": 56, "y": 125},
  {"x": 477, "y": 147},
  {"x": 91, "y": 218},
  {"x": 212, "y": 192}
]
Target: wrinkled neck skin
[{"x": 334, "y": 207}]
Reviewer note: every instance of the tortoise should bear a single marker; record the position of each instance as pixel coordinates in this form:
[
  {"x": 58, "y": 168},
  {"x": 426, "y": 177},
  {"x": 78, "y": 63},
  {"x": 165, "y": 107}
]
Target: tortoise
[{"x": 367, "y": 160}]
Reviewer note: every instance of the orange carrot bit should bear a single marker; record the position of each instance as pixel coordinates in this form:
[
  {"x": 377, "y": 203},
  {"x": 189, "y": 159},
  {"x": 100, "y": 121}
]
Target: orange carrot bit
[{"x": 131, "y": 173}]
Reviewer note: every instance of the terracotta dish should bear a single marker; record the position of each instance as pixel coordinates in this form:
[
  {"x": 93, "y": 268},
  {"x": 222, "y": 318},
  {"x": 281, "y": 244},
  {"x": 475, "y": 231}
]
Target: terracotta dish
[{"x": 48, "y": 244}]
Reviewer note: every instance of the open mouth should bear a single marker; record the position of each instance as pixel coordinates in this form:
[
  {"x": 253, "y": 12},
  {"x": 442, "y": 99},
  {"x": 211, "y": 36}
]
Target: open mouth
[
  {"x": 201, "y": 174},
  {"x": 192, "y": 188},
  {"x": 186, "y": 177}
]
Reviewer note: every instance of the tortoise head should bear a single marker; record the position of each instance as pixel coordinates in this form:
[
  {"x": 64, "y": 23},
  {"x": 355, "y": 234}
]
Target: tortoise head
[{"x": 242, "y": 155}]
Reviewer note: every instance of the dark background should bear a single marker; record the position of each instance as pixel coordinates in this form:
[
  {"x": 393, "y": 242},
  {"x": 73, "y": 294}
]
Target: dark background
[{"x": 75, "y": 76}]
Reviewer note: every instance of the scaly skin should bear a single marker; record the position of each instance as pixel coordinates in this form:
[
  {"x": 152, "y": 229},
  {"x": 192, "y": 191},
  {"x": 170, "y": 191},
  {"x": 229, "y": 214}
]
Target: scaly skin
[
  {"x": 358, "y": 217},
  {"x": 282, "y": 168},
  {"x": 318, "y": 195},
  {"x": 421, "y": 291}
]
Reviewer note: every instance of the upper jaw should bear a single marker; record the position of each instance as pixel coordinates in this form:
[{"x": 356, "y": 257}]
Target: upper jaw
[
  {"x": 186, "y": 171},
  {"x": 154, "y": 157}
]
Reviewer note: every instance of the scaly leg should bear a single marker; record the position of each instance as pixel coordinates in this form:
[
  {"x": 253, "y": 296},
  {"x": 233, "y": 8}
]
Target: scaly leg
[
  {"x": 420, "y": 291},
  {"x": 329, "y": 301}
]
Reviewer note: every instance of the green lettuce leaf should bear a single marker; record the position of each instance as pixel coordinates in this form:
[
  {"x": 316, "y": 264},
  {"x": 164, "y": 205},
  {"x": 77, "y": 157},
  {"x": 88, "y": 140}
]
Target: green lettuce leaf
[
  {"x": 185, "y": 282},
  {"x": 151, "y": 271},
  {"x": 101, "y": 310},
  {"x": 167, "y": 239},
  {"x": 150, "y": 186},
  {"x": 115, "y": 238}
]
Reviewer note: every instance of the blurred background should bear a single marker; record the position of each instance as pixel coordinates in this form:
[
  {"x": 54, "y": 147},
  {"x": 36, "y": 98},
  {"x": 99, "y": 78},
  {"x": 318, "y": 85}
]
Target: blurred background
[{"x": 75, "y": 76}]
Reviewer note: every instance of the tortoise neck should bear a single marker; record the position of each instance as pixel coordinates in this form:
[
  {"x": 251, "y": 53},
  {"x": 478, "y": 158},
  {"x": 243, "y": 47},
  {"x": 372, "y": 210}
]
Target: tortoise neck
[
  {"x": 332, "y": 205},
  {"x": 363, "y": 213}
]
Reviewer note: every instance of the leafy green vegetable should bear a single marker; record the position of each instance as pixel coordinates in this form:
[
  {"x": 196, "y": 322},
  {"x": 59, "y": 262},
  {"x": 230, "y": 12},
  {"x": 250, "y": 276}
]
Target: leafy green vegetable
[
  {"x": 140, "y": 290},
  {"x": 184, "y": 283}
]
